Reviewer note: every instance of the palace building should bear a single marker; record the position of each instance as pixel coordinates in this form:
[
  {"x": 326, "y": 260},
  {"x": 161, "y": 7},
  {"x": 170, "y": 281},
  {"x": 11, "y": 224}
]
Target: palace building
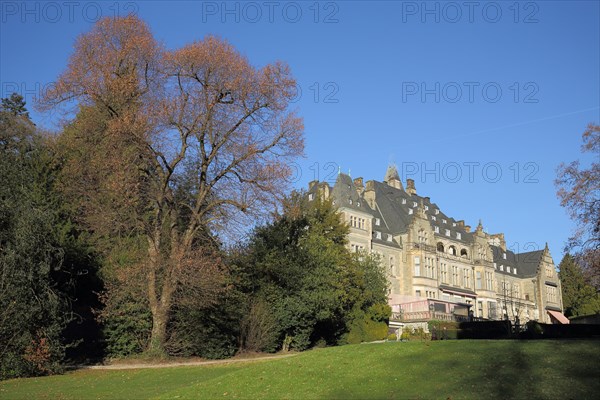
[{"x": 437, "y": 266}]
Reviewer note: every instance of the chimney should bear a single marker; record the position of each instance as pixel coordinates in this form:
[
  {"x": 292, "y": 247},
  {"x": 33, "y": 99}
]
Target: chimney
[
  {"x": 410, "y": 187},
  {"x": 369, "y": 194},
  {"x": 359, "y": 186},
  {"x": 461, "y": 223},
  {"x": 468, "y": 228},
  {"x": 324, "y": 190}
]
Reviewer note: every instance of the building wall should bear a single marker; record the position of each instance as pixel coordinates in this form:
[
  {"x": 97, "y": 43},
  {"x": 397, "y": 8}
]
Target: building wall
[{"x": 464, "y": 272}]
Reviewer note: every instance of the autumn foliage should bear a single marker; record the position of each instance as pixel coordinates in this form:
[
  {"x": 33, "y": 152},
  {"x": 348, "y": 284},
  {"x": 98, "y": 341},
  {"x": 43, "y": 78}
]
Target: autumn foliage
[{"x": 172, "y": 146}]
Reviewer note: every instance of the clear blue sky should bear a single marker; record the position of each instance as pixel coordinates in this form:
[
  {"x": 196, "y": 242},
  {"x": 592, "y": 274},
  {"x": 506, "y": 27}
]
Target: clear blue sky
[{"x": 464, "y": 90}]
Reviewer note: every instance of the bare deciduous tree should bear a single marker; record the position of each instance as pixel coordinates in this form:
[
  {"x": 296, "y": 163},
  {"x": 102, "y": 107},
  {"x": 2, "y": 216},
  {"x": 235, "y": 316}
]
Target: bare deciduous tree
[
  {"x": 192, "y": 139},
  {"x": 579, "y": 193}
]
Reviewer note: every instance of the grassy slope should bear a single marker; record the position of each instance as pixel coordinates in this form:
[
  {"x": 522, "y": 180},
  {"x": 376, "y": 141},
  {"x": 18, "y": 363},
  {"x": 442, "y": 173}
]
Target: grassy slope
[{"x": 455, "y": 369}]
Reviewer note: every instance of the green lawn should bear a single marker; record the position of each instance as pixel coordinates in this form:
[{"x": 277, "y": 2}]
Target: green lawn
[{"x": 464, "y": 369}]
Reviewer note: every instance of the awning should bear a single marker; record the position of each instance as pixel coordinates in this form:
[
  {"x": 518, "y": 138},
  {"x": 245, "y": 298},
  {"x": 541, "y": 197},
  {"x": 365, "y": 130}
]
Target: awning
[{"x": 558, "y": 316}]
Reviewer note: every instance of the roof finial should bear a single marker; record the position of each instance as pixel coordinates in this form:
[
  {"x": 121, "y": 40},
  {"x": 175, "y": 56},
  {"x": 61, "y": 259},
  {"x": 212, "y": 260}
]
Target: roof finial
[
  {"x": 479, "y": 226},
  {"x": 349, "y": 173},
  {"x": 339, "y": 170}
]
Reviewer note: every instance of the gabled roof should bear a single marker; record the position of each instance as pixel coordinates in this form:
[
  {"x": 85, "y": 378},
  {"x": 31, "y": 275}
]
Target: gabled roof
[
  {"x": 526, "y": 263},
  {"x": 345, "y": 195}
]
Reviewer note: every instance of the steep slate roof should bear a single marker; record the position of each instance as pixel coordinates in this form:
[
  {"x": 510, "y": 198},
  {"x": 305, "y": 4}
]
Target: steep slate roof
[
  {"x": 526, "y": 263},
  {"x": 392, "y": 207},
  {"x": 395, "y": 203},
  {"x": 391, "y": 173},
  {"x": 345, "y": 195}
]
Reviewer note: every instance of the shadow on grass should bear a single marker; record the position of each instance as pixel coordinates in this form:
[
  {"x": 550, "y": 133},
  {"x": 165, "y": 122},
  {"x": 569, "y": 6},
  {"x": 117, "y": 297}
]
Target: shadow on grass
[{"x": 508, "y": 369}]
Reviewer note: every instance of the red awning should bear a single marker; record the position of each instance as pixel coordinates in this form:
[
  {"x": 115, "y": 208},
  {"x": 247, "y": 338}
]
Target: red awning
[{"x": 558, "y": 316}]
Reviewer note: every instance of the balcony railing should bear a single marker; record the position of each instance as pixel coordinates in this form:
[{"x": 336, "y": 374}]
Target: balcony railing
[{"x": 416, "y": 316}]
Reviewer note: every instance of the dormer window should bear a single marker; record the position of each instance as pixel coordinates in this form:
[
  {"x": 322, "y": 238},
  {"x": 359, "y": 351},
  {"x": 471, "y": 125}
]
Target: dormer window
[
  {"x": 447, "y": 232},
  {"x": 310, "y": 197},
  {"x": 377, "y": 221},
  {"x": 502, "y": 268},
  {"x": 515, "y": 271},
  {"x": 357, "y": 204},
  {"x": 403, "y": 201},
  {"x": 444, "y": 221},
  {"x": 508, "y": 269},
  {"x": 436, "y": 229},
  {"x": 437, "y": 212},
  {"x": 495, "y": 266},
  {"x": 410, "y": 211},
  {"x": 378, "y": 235},
  {"x": 504, "y": 255},
  {"x": 453, "y": 224},
  {"x": 414, "y": 203},
  {"x": 426, "y": 208},
  {"x": 389, "y": 237},
  {"x": 458, "y": 235},
  {"x": 350, "y": 201},
  {"x": 433, "y": 218}
]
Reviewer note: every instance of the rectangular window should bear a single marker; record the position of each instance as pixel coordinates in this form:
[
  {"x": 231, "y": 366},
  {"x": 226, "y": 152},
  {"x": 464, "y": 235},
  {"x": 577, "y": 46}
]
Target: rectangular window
[
  {"x": 551, "y": 294},
  {"x": 492, "y": 310},
  {"x": 489, "y": 281},
  {"x": 310, "y": 197},
  {"x": 478, "y": 280},
  {"x": 508, "y": 269},
  {"x": 444, "y": 272},
  {"x": 455, "y": 275},
  {"x": 436, "y": 229},
  {"x": 447, "y": 232},
  {"x": 377, "y": 221},
  {"x": 466, "y": 278},
  {"x": 417, "y": 266},
  {"x": 458, "y": 235},
  {"x": 378, "y": 235}
]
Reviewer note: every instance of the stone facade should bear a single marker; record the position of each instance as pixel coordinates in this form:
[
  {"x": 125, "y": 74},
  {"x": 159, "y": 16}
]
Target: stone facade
[{"x": 438, "y": 268}]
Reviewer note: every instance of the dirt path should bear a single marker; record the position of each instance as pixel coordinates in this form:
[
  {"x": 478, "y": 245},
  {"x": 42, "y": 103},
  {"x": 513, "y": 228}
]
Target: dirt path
[{"x": 182, "y": 363}]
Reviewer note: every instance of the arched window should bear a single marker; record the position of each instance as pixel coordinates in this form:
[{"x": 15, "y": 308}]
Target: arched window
[
  {"x": 440, "y": 247},
  {"x": 463, "y": 253},
  {"x": 452, "y": 250}
]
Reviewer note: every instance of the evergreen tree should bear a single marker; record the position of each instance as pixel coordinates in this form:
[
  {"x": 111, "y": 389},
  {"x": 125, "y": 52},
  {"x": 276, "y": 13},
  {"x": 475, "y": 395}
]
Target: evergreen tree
[
  {"x": 579, "y": 297},
  {"x": 305, "y": 287}
]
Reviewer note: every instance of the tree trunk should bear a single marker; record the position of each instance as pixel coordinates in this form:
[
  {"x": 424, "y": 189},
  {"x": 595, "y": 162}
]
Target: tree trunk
[{"x": 159, "y": 329}]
